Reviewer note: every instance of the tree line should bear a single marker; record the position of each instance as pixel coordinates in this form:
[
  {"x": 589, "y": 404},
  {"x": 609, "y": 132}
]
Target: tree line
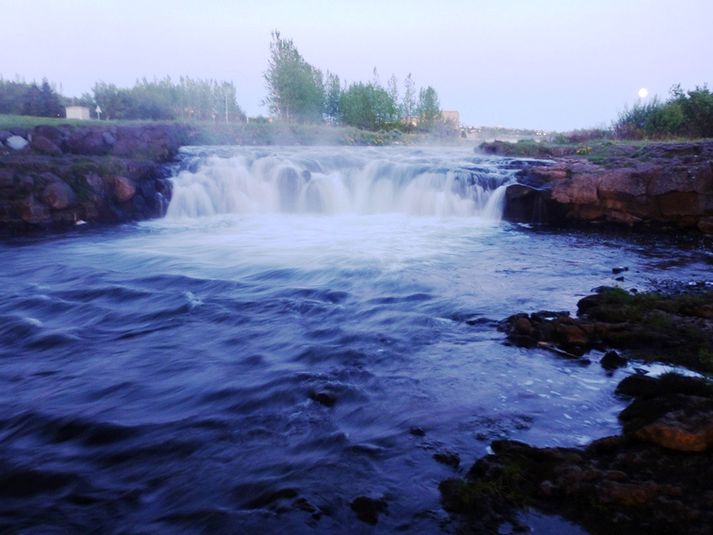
[
  {"x": 164, "y": 99},
  {"x": 299, "y": 92},
  {"x": 22, "y": 98}
]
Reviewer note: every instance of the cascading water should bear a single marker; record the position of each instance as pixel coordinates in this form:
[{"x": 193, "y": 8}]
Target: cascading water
[{"x": 447, "y": 182}]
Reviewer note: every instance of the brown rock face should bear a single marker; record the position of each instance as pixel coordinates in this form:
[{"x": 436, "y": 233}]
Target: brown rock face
[
  {"x": 124, "y": 188},
  {"x": 680, "y": 431},
  {"x": 45, "y": 146},
  {"x": 670, "y": 184}
]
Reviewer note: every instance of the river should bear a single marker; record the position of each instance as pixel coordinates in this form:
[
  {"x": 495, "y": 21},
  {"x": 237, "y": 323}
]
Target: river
[{"x": 305, "y": 326}]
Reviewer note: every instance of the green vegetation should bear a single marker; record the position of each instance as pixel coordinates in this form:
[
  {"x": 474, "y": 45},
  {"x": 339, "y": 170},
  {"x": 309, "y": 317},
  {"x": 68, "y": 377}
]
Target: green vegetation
[
  {"x": 297, "y": 92},
  {"x": 683, "y": 114},
  {"x": 20, "y": 98},
  {"x": 186, "y": 100},
  {"x": 676, "y": 326}
]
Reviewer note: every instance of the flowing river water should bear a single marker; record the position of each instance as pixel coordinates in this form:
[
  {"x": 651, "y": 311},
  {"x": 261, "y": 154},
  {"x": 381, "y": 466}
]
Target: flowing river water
[{"x": 305, "y": 326}]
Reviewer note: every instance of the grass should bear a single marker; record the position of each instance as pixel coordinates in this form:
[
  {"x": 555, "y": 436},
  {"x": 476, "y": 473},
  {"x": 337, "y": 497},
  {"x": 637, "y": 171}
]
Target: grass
[{"x": 28, "y": 121}]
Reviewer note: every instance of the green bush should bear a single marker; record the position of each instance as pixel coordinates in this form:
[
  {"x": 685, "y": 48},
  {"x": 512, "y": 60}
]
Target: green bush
[{"x": 684, "y": 114}]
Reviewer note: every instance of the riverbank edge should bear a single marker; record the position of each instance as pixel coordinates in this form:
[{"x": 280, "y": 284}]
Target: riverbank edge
[
  {"x": 658, "y": 185},
  {"x": 654, "y": 476},
  {"x": 56, "y": 177}
]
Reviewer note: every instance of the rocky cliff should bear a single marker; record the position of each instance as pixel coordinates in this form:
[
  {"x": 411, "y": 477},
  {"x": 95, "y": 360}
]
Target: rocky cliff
[
  {"x": 57, "y": 176},
  {"x": 667, "y": 184}
]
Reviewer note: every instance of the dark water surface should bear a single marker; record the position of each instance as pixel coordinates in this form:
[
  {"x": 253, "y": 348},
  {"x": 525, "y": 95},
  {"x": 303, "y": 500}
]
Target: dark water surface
[{"x": 255, "y": 367}]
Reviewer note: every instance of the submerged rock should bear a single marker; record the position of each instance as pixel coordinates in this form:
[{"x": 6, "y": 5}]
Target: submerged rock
[{"x": 368, "y": 509}]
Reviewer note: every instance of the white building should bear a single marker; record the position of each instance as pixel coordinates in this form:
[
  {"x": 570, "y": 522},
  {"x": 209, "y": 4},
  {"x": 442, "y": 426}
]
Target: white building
[{"x": 80, "y": 113}]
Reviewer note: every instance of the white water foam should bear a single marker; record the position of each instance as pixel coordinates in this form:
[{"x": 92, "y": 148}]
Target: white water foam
[{"x": 326, "y": 180}]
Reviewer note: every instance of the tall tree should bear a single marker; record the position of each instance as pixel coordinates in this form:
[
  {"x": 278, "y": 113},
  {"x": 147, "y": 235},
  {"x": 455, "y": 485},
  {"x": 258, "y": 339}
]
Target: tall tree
[
  {"x": 295, "y": 88},
  {"x": 429, "y": 109},
  {"x": 392, "y": 88},
  {"x": 367, "y": 106},
  {"x": 408, "y": 102},
  {"x": 332, "y": 96}
]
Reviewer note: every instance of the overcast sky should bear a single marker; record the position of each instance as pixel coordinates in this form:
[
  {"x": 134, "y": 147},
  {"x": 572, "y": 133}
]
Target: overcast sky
[{"x": 550, "y": 64}]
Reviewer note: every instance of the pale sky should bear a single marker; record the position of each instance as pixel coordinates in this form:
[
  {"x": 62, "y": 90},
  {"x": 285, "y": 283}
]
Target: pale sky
[{"x": 549, "y": 64}]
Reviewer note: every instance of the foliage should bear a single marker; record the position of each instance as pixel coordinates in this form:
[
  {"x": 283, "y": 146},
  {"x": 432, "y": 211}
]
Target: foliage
[
  {"x": 408, "y": 102},
  {"x": 332, "y": 98},
  {"x": 21, "y": 98},
  {"x": 188, "y": 99},
  {"x": 683, "y": 114},
  {"x": 429, "y": 108},
  {"x": 295, "y": 88},
  {"x": 368, "y": 106}
]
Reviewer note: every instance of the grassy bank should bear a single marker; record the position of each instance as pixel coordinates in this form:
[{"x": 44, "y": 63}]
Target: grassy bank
[{"x": 254, "y": 133}]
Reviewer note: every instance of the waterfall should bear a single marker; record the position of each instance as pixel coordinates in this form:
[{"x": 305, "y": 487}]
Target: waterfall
[{"x": 419, "y": 182}]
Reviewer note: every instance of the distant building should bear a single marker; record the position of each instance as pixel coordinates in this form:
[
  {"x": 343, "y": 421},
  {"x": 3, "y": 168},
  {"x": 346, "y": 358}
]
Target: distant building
[
  {"x": 80, "y": 113},
  {"x": 452, "y": 117}
]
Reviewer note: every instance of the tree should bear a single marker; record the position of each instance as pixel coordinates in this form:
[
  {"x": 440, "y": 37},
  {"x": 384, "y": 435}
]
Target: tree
[
  {"x": 332, "y": 97},
  {"x": 295, "y": 88},
  {"x": 429, "y": 109},
  {"x": 367, "y": 106},
  {"x": 392, "y": 88},
  {"x": 408, "y": 102}
]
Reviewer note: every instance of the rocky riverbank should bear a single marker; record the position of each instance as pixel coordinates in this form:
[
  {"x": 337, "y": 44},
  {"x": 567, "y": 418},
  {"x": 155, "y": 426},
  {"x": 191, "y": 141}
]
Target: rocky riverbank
[
  {"x": 53, "y": 177},
  {"x": 657, "y": 184},
  {"x": 655, "y": 476}
]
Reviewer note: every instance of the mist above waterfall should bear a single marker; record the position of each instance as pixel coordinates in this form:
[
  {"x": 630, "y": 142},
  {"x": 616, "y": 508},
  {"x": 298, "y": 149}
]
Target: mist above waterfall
[{"x": 328, "y": 180}]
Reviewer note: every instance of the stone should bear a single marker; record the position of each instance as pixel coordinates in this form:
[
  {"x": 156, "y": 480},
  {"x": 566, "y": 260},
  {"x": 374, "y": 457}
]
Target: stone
[
  {"x": 7, "y": 177},
  {"x": 34, "y": 212},
  {"x": 95, "y": 183},
  {"x": 124, "y": 188},
  {"x": 705, "y": 225},
  {"x": 584, "y": 190},
  {"x": 52, "y": 133},
  {"x": 323, "y": 398},
  {"x": 680, "y": 431},
  {"x": 109, "y": 138},
  {"x": 45, "y": 146},
  {"x": 58, "y": 195},
  {"x": 448, "y": 458},
  {"x": 612, "y": 360},
  {"x": 368, "y": 509},
  {"x": 89, "y": 141},
  {"x": 16, "y": 142}
]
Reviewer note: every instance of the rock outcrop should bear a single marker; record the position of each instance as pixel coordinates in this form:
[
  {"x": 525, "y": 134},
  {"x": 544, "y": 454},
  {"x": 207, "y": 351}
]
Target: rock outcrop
[
  {"x": 676, "y": 329},
  {"x": 57, "y": 176},
  {"x": 652, "y": 479},
  {"x": 662, "y": 184}
]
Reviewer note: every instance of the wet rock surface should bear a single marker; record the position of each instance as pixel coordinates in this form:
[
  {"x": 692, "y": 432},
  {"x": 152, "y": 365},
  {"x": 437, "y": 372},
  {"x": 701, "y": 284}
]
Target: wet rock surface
[
  {"x": 660, "y": 184},
  {"x": 57, "y": 176},
  {"x": 671, "y": 328},
  {"x": 654, "y": 478}
]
